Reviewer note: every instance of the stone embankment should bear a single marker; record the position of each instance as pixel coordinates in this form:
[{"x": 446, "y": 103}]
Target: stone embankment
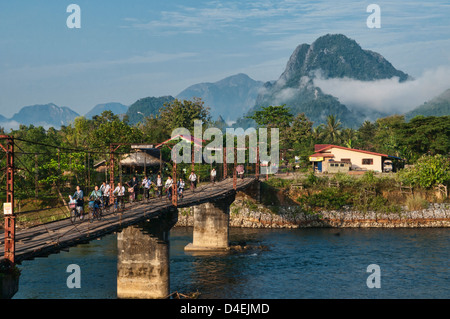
[{"x": 244, "y": 213}]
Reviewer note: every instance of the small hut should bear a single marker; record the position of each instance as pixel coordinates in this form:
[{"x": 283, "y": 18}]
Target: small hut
[{"x": 142, "y": 158}]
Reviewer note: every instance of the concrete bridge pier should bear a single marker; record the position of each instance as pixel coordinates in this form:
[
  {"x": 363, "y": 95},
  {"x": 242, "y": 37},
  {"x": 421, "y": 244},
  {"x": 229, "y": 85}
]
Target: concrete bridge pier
[
  {"x": 143, "y": 267},
  {"x": 211, "y": 225}
]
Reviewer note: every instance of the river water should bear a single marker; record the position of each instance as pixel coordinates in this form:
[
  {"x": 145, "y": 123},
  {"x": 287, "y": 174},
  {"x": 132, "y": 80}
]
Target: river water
[{"x": 297, "y": 264}]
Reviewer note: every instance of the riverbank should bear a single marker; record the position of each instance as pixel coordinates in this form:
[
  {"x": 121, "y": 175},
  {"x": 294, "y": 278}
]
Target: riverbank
[{"x": 246, "y": 213}]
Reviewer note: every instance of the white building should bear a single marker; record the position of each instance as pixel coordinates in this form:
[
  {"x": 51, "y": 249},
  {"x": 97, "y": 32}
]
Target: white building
[{"x": 326, "y": 157}]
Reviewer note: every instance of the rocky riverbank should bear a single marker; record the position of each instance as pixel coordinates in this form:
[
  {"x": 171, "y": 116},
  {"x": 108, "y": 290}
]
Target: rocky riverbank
[{"x": 246, "y": 213}]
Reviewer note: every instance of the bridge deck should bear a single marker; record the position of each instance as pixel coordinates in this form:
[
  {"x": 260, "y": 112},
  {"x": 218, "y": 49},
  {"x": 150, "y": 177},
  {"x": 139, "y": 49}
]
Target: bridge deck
[{"x": 53, "y": 237}]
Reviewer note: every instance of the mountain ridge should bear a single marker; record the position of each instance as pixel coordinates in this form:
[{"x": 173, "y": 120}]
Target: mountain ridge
[
  {"x": 227, "y": 97},
  {"x": 438, "y": 106},
  {"x": 115, "y": 107},
  {"x": 328, "y": 57}
]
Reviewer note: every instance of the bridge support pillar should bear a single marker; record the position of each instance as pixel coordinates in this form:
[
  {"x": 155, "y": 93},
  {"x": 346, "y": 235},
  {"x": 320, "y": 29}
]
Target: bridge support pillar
[
  {"x": 254, "y": 191},
  {"x": 143, "y": 267},
  {"x": 211, "y": 225}
]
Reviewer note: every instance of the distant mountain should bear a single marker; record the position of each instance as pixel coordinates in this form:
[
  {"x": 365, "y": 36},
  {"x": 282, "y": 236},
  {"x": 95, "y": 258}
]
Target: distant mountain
[
  {"x": 146, "y": 107},
  {"x": 116, "y": 108},
  {"x": 439, "y": 106},
  {"x": 228, "y": 98},
  {"x": 330, "y": 56},
  {"x": 47, "y": 115}
]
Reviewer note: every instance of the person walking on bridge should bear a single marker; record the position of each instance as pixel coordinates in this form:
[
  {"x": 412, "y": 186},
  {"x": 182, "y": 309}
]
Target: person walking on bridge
[
  {"x": 119, "y": 192},
  {"x": 133, "y": 188},
  {"x": 180, "y": 187},
  {"x": 159, "y": 185},
  {"x": 168, "y": 186},
  {"x": 147, "y": 183},
  {"x": 78, "y": 195},
  {"x": 105, "y": 189},
  {"x": 95, "y": 200},
  {"x": 193, "y": 179},
  {"x": 213, "y": 176}
]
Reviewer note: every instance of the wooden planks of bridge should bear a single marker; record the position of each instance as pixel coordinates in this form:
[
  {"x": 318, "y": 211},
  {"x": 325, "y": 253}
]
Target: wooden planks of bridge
[{"x": 53, "y": 237}]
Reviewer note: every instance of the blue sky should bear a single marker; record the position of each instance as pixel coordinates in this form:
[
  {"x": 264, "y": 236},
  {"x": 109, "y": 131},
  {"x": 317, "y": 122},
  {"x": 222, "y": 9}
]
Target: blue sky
[{"x": 126, "y": 50}]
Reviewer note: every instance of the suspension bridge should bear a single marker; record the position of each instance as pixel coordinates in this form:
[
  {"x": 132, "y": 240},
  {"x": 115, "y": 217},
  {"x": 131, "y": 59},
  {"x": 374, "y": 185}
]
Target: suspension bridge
[
  {"x": 52, "y": 237},
  {"x": 55, "y": 236}
]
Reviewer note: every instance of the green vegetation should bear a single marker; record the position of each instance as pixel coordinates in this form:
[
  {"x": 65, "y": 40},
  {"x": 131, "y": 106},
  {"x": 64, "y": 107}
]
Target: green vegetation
[
  {"x": 429, "y": 171},
  {"x": 369, "y": 192},
  {"x": 329, "y": 199},
  {"x": 390, "y": 135},
  {"x": 50, "y": 163}
]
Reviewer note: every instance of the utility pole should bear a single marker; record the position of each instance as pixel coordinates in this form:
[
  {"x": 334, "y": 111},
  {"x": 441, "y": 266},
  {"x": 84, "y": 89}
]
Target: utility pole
[
  {"x": 234, "y": 170},
  {"x": 174, "y": 184},
  {"x": 257, "y": 162},
  {"x": 225, "y": 163},
  {"x": 8, "y": 206}
]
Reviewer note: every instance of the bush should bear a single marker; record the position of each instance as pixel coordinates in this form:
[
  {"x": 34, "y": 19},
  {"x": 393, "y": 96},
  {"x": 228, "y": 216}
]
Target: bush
[
  {"x": 279, "y": 182},
  {"x": 377, "y": 203},
  {"x": 344, "y": 180},
  {"x": 330, "y": 198},
  {"x": 429, "y": 171}
]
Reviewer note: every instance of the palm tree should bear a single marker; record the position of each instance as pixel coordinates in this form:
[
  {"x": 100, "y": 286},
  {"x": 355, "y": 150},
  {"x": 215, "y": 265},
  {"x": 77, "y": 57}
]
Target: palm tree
[
  {"x": 317, "y": 132},
  {"x": 332, "y": 129},
  {"x": 349, "y": 136}
]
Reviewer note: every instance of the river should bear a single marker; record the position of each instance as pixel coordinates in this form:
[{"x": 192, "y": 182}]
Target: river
[{"x": 298, "y": 263}]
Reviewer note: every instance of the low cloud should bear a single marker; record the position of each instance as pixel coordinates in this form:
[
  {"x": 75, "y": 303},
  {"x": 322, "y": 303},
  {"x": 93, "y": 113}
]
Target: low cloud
[
  {"x": 388, "y": 95},
  {"x": 9, "y": 125}
]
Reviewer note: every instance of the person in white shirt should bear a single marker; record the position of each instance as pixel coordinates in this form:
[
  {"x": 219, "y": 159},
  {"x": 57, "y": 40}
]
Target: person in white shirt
[
  {"x": 119, "y": 192},
  {"x": 105, "y": 189},
  {"x": 193, "y": 179},
  {"x": 159, "y": 185},
  {"x": 213, "y": 175},
  {"x": 146, "y": 183},
  {"x": 180, "y": 186},
  {"x": 168, "y": 187}
]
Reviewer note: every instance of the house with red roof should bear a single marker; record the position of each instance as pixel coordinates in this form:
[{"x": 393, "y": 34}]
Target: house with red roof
[{"x": 335, "y": 158}]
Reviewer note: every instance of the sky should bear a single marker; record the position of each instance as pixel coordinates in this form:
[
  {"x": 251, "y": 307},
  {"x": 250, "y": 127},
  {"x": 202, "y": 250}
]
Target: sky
[{"x": 127, "y": 50}]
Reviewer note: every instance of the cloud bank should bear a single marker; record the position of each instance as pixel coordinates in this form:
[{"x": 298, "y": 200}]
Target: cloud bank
[{"x": 388, "y": 95}]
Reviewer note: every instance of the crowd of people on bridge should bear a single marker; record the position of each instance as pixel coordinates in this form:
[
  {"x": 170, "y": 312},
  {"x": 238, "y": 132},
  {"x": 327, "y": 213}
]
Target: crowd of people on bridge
[{"x": 105, "y": 195}]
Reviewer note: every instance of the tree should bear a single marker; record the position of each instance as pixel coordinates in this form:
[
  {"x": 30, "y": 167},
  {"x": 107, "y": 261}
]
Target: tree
[
  {"x": 301, "y": 128},
  {"x": 278, "y": 117},
  {"x": 365, "y": 136},
  {"x": 301, "y": 137},
  {"x": 424, "y": 135},
  {"x": 272, "y": 117},
  {"x": 427, "y": 172},
  {"x": 153, "y": 131},
  {"x": 332, "y": 130},
  {"x": 386, "y": 134},
  {"x": 349, "y": 137},
  {"x": 181, "y": 114}
]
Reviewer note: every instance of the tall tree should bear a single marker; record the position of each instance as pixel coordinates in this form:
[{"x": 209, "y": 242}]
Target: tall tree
[
  {"x": 181, "y": 114},
  {"x": 272, "y": 116},
  {"x": 366, "y": 134},
  {"x": 332, "y": 130}
]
